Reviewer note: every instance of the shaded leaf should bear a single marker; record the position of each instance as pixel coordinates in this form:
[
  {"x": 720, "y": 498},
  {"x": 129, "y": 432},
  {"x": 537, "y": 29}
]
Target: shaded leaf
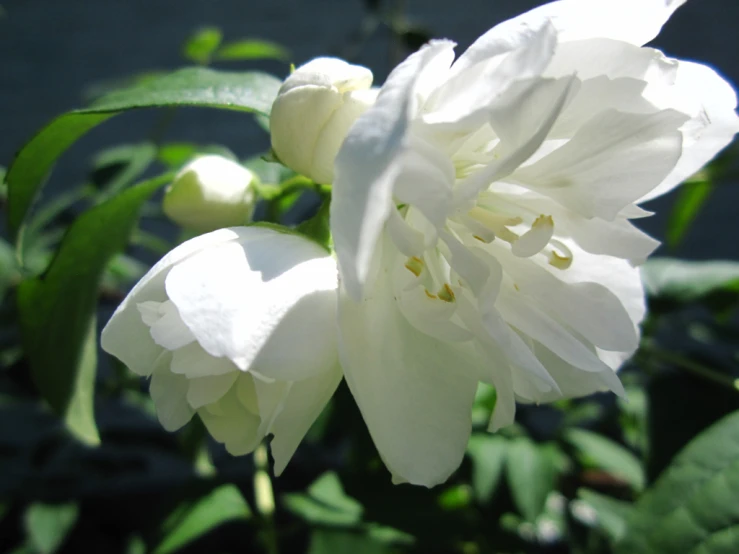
[
  {"x": 252, "y": 92},
  {"x": 611, "y": 513},
  {"x": 57, "y": 310},
  {"x": 192, "y": 520},
  {"x": 48, "y": 525},
  {"x": 252, "y": 50},
  {"x": 692, "y": 508},
  {"x": 685, "y": 281},
  {"x": 329, "y": 541},
  {"x": 488, "y": 454},
  {"x": 691, "y": 197},
  {"x": 325, "y": 503},
  {"x": 127, "y": 162},
  {"x": 201, "y": 45},
  {"x": 531, "y": 470},
  {"x": 601, "y": 452}
]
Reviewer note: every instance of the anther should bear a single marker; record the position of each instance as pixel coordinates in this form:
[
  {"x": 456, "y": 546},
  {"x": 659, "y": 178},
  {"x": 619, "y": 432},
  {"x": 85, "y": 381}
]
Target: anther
[
  {"x": 415, "y": 265},
  {"x": 446, "y": 293}
]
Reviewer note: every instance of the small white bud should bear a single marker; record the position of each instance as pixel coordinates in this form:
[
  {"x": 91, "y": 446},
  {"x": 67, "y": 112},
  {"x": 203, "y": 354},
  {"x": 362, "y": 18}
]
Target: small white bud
[
  {"x": 209, "y": 193},
  {"x": 314, "y": 110}
]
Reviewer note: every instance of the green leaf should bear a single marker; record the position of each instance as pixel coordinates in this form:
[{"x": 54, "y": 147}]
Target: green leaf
[
  {"x": 251, "y": 49},
  {"x": 531, "y": 469},
  {"x": 48, "y": 525},
  {"x": 200, "y": 46},
  {"x": 611, "y": 513},
  {"x": 129, "y": 161},
  {"x": 691, "y": 197},
  {"x": 685, "y": 281},
  {"x": 692, "y": 508},
  {"x": 488, "y": 454},
  {"x": 601, "y": 452},
  {"x": 317, "y": 227},
  {"x": 326, "y": 503},
  {"x": 329, "y": 541},
  {"x": 57, "y": 310},
  {"x": 192, "y": 520},
  {"x": 250, "y": 92}
]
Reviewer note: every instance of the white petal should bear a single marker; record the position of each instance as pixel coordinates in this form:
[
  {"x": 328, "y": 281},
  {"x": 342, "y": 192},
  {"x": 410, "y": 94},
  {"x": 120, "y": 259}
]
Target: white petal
[
  {"x": 469, "y": 92},
  {"x": 367, "y": 165},
  {"x": 236, "y": 296},
  {"x": 597, "y": 296},
  {"x": 611, "y": 162},
  {"x": 303, "y": 404},
  {"x": 712, "y": 103},
  {"x": 516, "y": 351},
  {"x": 304, "y": 341},
  {"x": 414, "y": 391},
  {"x": 634, "y": 21},
  {"x": 271, "y": 398},
  {"x": 206, "y": 390},
  {"x": 230, "y": 423},
  {"x": 529, "y": 143},
  {"x": 165, "y": 325},
  {"x": 574, "y": 383},
  {"x": 621, "y": 279},
  {"x": 169, "y": 393},
  {"x": 192, "y": 362},
  {"x": 126, "y": 329},
  {"x": 525, "y": 316}
]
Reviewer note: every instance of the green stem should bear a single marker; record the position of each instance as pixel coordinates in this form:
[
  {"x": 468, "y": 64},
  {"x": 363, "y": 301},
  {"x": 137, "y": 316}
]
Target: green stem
[
  {"x": 264, "y": 498},
  {"x": 691, "y": 366}
]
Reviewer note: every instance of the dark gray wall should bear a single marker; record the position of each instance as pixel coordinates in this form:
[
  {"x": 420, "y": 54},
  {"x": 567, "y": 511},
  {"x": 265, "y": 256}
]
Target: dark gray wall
[{"x": 50, "y": 50}]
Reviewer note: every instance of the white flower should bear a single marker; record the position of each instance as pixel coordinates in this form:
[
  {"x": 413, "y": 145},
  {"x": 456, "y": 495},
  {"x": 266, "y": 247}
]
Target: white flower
[
  {"x": 238, "y": 326},
  {"x": 209, "y": 193},
  {"x": 314, "y": 109},
  {"x": 481, "y": 211}
]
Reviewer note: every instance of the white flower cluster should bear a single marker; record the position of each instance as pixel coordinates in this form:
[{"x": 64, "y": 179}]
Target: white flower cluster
[{"x": 480, "y": 214}]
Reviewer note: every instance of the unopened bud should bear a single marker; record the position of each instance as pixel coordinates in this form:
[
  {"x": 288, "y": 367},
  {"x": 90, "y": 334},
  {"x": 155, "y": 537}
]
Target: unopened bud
[
  {"x": 209, "y": 193},
  {"x": 314, "y": 110}
]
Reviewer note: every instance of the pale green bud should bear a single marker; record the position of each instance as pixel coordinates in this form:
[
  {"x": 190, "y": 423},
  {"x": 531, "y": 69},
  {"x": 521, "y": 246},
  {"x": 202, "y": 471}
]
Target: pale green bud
[
  {"x": 209, "y": 193},
  {"x": 313, "y": 112}
]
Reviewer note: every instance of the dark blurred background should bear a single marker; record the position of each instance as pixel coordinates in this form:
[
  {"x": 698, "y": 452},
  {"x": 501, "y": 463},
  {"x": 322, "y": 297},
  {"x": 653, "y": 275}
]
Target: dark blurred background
[{"x": 53, "y": 53}]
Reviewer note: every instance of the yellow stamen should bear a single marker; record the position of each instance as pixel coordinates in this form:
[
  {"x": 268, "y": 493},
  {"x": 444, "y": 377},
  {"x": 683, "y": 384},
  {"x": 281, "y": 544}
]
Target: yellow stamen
[
  {"x": 446, "y": 293},
  {"x": 415, "y": 265},
  {"x": 560, "y": 262}
]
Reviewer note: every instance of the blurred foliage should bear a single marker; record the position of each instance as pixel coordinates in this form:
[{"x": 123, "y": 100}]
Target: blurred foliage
[{"x": 655, "y": 473}]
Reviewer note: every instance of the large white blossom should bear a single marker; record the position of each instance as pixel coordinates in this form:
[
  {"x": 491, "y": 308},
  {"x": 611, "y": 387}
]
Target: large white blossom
[
  {"x": 238, "y": 326},
  {"x": 481, "y": 218}
]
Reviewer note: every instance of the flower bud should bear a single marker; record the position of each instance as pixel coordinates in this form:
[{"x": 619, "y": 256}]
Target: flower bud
[
  {"x": 209, "y": 193},
  {"x": 313, "y": 112}
]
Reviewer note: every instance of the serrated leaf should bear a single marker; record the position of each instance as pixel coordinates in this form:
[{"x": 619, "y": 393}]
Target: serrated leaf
[
  {"x": 252, "y": 49},
  {"x": 192, "y": 520},
  {"x": 325, "y": 503},
  {"x": 691, "y": 197},
  {"x": 200, "y": 46},
  {"x": 250, "y": 92},
  {"x": 603, "y": 453},
  {"x": 531, "y": 470},
  {"x": 611, "y": 513},
  {"x": 488, "y": 454},
  {"x": 684, "y": 281},
  {"x": 692, "y": 508},
  {"x": 47, "y": 525},
  {"x": 57, "y": 310}
]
